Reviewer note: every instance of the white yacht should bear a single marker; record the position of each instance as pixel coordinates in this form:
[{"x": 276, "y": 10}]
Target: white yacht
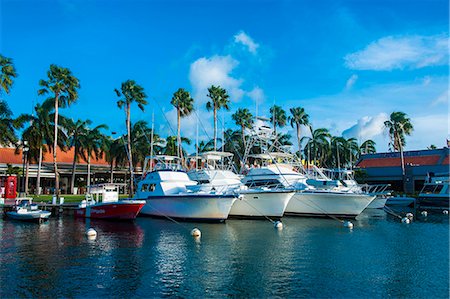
[
  {"x": 435, "y": 192},
  {"x": 275, "y": 170},
  {"x": 166, "y": 192},
  {"x": 216, "y": 174}
]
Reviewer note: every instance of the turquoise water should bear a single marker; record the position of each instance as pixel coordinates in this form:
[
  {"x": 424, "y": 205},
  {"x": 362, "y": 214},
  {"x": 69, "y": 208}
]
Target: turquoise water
[{"x": 380, "y": 257}]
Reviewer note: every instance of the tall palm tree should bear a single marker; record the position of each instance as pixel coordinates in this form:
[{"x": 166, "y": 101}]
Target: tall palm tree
[
  {"x": 171, "y": 145},
  {"x": 277, "y": 117},
  {"x": 368, "y": 147},
  {"x": 7, "y": 73},
  {"x": 298, "y": 118},
  {"x": 319, "y": 145},
  {"x": 129, "y": 93},
  {"x": 115, "y": 153},
  {"x": 63, "y": 86},
  {"x": 141, "y": 140},
  {"x": 92, "y": 147},
  {"x": 219, "y": 99},
  {"x": 398, "y": 126},
  {"x": 243, "y": 118},
  {"x": 7, "y": 125},
  {"x": 184, "y": 104},
  {"x": 76, "y": 132}
]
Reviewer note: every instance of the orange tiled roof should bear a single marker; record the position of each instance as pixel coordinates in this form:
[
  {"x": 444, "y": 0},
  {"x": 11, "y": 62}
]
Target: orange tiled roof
[
  {"x": 387, "y": 162},
  {"x": 7, "y": 155}
]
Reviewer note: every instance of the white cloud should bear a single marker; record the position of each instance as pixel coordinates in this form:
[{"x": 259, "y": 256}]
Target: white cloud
[
  {"x": 257, "y": 95},
  {"x": 247, "y": 41},
  {"x": 391, "y": 52},
  {"x": 215, "y": 70},
  {"x": 351, "y": 81},
  {"x": 367, "y": 127},
  {"x": 429, "y": 129},
  {"x": 442, "y": 98}
]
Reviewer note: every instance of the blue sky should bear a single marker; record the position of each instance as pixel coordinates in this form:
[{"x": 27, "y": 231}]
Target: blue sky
[{"x": 348, "y": 63}]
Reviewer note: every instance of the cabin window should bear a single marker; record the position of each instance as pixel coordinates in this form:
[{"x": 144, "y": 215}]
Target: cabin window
[
  {"x": 144, "y": 187},
  {"x": 432, "y": 189},
  {"x": 263, "y": 183},
  {"x": 151, "y": 187}
]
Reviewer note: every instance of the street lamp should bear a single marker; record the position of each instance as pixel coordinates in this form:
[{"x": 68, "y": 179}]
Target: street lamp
[{"x": 25, "y": 150}]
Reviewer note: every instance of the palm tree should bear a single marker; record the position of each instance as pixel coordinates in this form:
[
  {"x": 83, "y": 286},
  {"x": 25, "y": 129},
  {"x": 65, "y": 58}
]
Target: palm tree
[
  {"x": 219, "y": 99},
  {"x": 7, "y": 125},
  {"x": 172, "y": 146},
  {"x": 130, "y": 92},
  {"x": 64, "y": 89},
  {"x": 398, "y": 126},
  {"x": 298, "y": 118},
  {"x": 7, "y": 73},
  {"x": 141, "y": 140},
  {"x": 76, "y": 132},
  {"x": 368, "y": 147},
  {"x": 277, "y": 117},
  {"x": 92, "y": 147},
  {"x": 115, "y": 153},
  {"x": 243, "y": 118},
  {"x": 319, "y": 145},
  {"x": 183, "y": 102}
]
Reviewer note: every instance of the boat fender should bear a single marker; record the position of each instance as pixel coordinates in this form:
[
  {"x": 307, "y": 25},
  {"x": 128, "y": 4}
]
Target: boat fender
[
  {"x": 410, "y": 216},
  {"x": 278, "y": 225},
  {"x": 348, "y": 224},
  {"x": 196, "y": 233},
  {"x": 445, "y": 212},
  {"x": 424, "y": 213},
  {"x": 406, "y": 220},
  {"x": 91, "y": 233}
]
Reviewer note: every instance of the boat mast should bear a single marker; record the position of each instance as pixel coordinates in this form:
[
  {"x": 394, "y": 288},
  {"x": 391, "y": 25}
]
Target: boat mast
[{"x": 151, "y": 142}]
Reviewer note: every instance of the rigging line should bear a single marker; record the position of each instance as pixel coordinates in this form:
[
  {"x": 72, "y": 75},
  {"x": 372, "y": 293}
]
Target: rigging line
[
  {"x": 262, "y": 214},
  {"x": 201, "y": 123},
  {"x": 168, "y": 217}
]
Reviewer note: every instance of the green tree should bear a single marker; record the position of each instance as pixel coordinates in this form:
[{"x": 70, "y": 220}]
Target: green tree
[
  {"x": 398, "y": 126},
  {"x": 129, "y": 93},
  {"x": 298, "y": 118},
  {"x": 92, "y": 147},
  {"x": 219, "y": 99},
  {"x": 172, "y": 146},
  {"x": 368, "y": 147},
  {"x": 7, "y": 125},
  {"x": 318, "y": 145},
  {"x": 63, "y": 86},
  {"x": 243, "y": 118},
  {"x": 184, "y": 104},
  {"x": 7, "y": 73},
  {"x": 277, "y": 117}
]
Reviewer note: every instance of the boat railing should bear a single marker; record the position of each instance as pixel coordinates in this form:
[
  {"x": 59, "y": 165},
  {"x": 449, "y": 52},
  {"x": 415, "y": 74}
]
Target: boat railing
[{"x": 378, "y": 189}]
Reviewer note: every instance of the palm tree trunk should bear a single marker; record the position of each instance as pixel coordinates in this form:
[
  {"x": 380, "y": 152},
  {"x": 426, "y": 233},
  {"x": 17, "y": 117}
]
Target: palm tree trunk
[
  {"x": 299, "y": 141},
  {"x": 26, "y": 174},
  {"x": 89, "y": 173},
  {"x": 215, "y": 127},
  {"x": 55, "y": 144},
  {"x": 178, "y": 134},
  {"x": 243, "y": 134},
  {"x": 38, "y": 179},
  {"x": 111, "y": 180},
  {"x": 74, "y": 165},
  {"x": 129, "y": 152}
]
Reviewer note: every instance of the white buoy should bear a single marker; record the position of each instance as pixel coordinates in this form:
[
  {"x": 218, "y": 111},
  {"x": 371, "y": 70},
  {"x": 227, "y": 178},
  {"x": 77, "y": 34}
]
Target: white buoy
[
  {"x": 424, "y": 213},
  {"x": 445, "y": 212},
  {"x": 348, "y": 224},
  {"x": 406, "y": 220},
  {"x": 410, "y": 216},
  {"x": 91, "y": 233},
  {"x": 278, "y": 225},
  {"x": 196, "y": 233}
]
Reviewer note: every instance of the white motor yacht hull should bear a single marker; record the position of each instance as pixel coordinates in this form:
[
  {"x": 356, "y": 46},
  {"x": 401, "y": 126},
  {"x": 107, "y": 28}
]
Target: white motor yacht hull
[
  {"x": 378, "y": 203},
  {"x": 257, "y": 204},
  {"x": 323, "y": 204},
  {"x": 32, "y": 216},
  {"x": 193, "y": 207}
]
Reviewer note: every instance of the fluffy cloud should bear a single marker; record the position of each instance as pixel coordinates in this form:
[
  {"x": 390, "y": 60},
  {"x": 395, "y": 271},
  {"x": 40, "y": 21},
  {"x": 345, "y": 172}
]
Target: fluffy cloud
[
  {"x": 247, "y": 41},
  {"x": 215, "y": 70},
  {"x": 351, "y": 81},
  {"x": 391, "y": 52},
  {"x": 367, "y": 127}
]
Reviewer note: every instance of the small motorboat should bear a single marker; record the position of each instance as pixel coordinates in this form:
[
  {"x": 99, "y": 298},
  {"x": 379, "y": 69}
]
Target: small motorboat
[
  {"x": 26, "y": 210},
  {"x": 400, "y": 201},
  {"x": 103, "y": 203}
]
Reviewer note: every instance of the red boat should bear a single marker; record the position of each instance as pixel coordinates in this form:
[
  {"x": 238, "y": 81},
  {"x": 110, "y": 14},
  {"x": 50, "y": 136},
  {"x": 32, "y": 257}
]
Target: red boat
[{"x": 106, "y": 204}]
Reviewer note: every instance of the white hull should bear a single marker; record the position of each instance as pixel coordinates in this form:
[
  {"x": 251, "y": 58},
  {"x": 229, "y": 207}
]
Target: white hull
[
  {"x": 189, "y": 207},
  {"x": 261, "y": 204},
  {"x": 377, "y": 203},
  {"x": 29, "y": 216},
  {"x": 328, "y": 203}
]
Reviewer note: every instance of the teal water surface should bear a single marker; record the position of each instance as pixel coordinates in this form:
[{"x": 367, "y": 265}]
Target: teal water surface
[{"x": 380, "y": 257}]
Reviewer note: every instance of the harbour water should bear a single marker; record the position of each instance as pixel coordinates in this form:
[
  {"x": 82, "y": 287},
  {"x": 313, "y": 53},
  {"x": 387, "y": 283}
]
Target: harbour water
[{"x": 380, "y": 257}]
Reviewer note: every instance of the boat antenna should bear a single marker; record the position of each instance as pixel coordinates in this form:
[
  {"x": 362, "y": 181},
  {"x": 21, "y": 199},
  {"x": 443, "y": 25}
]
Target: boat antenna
[{"x": 151, "y": 140}]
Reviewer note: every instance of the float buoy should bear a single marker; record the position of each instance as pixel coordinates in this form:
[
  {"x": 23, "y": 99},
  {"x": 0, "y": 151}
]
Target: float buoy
[
  {"x": 196, "y": 233},
  {"x": 406, "y": 220},
  {"x": 348, "y": 224},
  {"x": 91, "y": 233},
  {"x": 424, "y": 213},
  {"x": 445, "y": 212},
  {"x": 278, "y": 225},
  {"x": 410, "y": 216}
]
